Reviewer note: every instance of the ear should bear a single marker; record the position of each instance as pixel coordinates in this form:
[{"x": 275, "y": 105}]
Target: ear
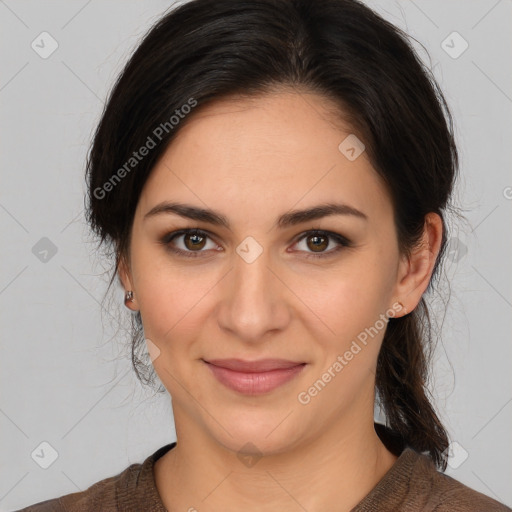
[
  {"x": 415, "y": 271},
  {"x": 125, "y": 278}
]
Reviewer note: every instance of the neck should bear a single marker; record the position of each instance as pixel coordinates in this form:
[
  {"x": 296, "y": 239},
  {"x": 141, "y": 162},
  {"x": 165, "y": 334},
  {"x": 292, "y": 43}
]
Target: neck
[{"x": 333, "y": 471}]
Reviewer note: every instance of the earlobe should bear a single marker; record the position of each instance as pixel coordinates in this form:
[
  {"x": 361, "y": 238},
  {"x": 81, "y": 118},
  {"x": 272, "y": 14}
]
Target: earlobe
[
  {"x": 128, "y": 298},
  {"x": 126, "y": 282}
]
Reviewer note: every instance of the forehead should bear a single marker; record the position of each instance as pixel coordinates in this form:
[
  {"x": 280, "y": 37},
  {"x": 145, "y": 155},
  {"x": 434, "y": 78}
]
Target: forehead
[{"x": 253, "y": 157}]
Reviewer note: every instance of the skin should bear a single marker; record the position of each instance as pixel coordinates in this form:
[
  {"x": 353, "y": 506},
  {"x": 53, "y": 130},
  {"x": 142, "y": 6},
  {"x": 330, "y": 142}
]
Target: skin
[{"x": 254, "y": 160}]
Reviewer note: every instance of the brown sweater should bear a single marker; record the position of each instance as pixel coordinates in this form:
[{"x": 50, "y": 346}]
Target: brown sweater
[{"x": 412, "y": 484}]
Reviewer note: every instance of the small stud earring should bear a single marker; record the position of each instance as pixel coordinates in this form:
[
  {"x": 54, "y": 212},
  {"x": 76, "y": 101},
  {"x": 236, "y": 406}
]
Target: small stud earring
[{"x": 128, "y": 297}]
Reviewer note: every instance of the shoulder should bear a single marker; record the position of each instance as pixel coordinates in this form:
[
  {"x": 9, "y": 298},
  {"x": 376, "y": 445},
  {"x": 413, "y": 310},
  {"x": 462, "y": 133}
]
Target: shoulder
[
  {"x": 100, "y": 496},
  {"x": 44, "y": 506},
  {"x": 453, "y": 495},
  {"x": 414, "y": 484},
  {"x": 134, "y": 485},
  {"x": 444, "y": 493}
]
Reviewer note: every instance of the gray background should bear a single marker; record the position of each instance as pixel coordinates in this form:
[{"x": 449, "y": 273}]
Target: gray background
[{"x": 65, "y": 377}]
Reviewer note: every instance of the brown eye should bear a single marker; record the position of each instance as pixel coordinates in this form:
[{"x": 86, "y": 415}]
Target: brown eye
[
  {"x": 317, "y": 243},
  {"x": 194, "y": 241},
  {"x": 188, "y": 242}
]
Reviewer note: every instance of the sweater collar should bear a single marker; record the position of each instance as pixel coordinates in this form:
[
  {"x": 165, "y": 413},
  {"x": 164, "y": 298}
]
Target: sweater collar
[{"x": 395, "y": 482}]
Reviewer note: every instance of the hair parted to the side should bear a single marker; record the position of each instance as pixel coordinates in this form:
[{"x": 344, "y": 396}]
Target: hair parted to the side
[{"x": 203, "y": 51}]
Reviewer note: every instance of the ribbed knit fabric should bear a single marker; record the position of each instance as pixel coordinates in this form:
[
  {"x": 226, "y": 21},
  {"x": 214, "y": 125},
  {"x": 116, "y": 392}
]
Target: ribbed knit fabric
[{"x": 412, "y": 484}]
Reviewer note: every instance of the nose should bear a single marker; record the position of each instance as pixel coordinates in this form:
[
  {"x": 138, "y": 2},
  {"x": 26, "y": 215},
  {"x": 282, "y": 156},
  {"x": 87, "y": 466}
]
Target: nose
[{"x": 254, "y": 300}]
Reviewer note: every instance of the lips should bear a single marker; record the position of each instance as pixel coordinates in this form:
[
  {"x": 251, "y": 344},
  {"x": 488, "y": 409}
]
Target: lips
[
  {"x": 263, "y": 365},
  {"x": 254, "y": 377}
]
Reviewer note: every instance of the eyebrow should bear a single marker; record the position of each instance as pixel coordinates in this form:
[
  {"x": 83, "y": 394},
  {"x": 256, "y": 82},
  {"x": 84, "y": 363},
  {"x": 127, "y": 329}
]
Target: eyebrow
[{"x": 290, "y": 218}]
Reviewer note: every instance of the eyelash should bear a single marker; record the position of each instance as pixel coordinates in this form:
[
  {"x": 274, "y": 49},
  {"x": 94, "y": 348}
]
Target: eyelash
[{"x": 341, "y": 240}]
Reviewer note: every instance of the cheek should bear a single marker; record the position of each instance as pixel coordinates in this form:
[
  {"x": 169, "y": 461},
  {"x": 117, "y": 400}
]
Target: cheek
[
  {"x": 345, "y": 311},
  {"x": 347, "y": 296},
  {"x": 171, "y": 299}
]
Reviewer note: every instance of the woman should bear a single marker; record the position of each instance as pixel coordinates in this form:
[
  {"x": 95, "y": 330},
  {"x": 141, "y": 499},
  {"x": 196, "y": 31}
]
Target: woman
[{"x": 273, "y": 177}]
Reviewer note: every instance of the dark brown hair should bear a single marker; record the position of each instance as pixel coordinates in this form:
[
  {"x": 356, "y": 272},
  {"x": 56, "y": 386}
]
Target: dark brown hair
[{"x": 203, "y": 51}]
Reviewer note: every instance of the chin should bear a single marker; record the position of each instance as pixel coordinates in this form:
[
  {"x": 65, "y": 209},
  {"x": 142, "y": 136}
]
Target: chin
[{"x": 256, "y": 438}]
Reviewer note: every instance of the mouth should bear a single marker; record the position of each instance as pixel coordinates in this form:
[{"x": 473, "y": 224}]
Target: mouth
[{"x": 254, "y": 377}]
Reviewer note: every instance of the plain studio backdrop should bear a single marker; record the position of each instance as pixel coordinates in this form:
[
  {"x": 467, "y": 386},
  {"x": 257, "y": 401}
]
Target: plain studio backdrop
[{"x": 68, "y": 389}]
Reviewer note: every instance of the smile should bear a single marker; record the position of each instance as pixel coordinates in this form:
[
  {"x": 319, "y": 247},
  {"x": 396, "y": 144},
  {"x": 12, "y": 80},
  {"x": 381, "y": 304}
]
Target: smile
[{"x": 254, "y": 378}]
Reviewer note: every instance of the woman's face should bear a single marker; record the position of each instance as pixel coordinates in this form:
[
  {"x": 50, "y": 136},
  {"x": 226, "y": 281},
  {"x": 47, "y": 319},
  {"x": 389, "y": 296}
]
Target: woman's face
[{"x": 259, "y": 289}]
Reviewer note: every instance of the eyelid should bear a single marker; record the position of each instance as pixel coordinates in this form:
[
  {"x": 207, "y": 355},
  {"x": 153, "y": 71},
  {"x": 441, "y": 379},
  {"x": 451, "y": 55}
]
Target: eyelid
[
  {"x": 169, "y": 237},
  {"x": 340, "y": 240}
]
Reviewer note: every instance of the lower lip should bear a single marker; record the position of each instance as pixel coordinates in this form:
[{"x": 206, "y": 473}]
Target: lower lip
[{"x": 254, "y": 383}]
